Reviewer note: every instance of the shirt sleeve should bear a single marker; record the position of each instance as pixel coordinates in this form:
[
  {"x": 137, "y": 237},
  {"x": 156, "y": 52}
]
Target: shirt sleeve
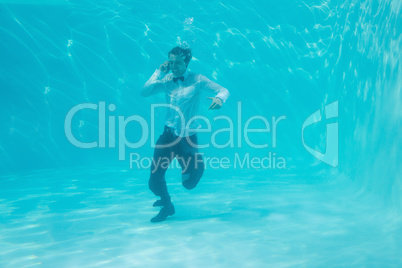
[
  {"x": 155, "y": 84},
  {"x": 213, "y": 87}
]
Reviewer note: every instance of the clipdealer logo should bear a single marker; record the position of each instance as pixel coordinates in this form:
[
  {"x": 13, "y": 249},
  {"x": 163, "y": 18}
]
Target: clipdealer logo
[
  {"x": 107, "y": 125},
  {"x": 331, "y": 154}
]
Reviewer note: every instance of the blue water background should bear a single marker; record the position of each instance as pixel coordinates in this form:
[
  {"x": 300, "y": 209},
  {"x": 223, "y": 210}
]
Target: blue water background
[{"x": 288, "y": 58}]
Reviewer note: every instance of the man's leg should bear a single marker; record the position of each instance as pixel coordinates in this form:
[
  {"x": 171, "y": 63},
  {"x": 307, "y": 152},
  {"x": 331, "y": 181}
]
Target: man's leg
[
  {"x": 162, "y": 158},
  {"x": 190, "y": 161},
  {"x": 157, "y": 183}
]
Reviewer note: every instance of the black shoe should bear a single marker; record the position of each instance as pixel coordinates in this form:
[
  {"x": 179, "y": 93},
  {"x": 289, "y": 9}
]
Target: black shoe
[{"x": 166, "y": 211}]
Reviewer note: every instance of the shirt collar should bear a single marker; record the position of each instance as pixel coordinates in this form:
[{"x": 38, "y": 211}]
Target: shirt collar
[{"x": 184, "y": 75}]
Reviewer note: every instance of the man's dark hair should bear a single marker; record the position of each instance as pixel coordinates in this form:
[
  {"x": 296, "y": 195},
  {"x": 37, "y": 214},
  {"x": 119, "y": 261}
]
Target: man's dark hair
[{"x": 186, "y": 52}]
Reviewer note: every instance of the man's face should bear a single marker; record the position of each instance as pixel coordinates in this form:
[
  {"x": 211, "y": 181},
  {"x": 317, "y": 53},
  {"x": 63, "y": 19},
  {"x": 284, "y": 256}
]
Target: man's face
[{"x": 177, "y": 64}]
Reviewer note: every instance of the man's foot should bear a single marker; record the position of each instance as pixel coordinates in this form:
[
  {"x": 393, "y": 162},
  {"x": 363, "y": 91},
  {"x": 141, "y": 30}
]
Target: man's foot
[{"x": 167, "y": 210}]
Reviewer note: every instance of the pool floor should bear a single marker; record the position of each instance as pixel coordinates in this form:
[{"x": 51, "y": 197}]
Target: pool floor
[{"x": 88, "y": 217}]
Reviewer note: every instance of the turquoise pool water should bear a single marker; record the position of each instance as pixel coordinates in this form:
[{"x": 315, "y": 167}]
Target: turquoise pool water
[{"x": 324, "y": 188}]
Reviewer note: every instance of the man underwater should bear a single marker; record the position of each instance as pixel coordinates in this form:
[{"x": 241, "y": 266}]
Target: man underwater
[{"x": 182, "y": 89}]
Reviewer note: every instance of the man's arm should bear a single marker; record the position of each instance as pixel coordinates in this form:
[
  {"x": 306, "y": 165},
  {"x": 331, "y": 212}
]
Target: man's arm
[
  {"x": 155, "y": 84},
  {"x": 222, "y": 94}
]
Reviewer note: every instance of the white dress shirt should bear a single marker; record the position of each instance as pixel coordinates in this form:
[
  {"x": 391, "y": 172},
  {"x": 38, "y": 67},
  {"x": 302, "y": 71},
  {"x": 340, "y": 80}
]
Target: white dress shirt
[{"x": 183, "y": 96}]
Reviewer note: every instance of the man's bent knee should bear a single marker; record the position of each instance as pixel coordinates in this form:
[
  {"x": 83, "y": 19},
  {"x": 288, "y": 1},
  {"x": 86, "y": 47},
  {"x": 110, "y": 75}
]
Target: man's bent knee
[
  {"x": 190, "y": 180},
  {"x": 190, "y": 184}
]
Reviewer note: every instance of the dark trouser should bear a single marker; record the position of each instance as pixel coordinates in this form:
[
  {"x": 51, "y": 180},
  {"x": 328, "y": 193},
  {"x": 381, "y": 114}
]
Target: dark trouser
[{"x": 185, "y": 149}]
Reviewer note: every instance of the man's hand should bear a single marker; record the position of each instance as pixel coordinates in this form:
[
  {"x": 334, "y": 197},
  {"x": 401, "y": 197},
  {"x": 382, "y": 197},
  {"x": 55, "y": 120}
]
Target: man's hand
[
  {"x": 216, "y": 103},
  {"x": 165, "y": 67}
]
